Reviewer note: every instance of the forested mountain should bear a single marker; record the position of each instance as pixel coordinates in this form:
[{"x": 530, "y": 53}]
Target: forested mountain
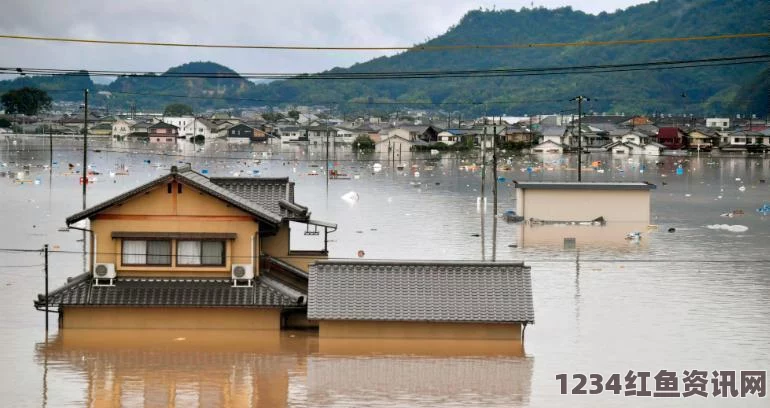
[
  {"x": 701, "y": 90},
  {"x": 706, "y": 90}
]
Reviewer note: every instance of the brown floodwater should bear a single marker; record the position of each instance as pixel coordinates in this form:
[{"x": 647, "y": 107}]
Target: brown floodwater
[{"x": 695, "y": 298}]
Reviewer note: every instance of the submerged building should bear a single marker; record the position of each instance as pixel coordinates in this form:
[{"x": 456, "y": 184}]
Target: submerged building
[{"x": 185, "y": 251}]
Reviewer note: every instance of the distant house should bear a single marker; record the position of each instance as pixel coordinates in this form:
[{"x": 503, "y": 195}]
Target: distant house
[
  {"x": 672, "y": 137},
  {"x": 451, "y": 136},
  {"x": 632, "y": 137},
  {"x": 140, "y": 129},
  {"x": 346, "y": 135},
  {"x": 259, "y": 136},
  {"x": 396, "y": 145},
  {"x": 700, "y": 140},
  {"x": 320, "y": 134},
  {"x": 240, "y": 134},
  {"x": 631, "y": 148},
  {"x": 427, "y": 134},
  {"x": 162, "y": 132},
  {"x": 548, "y": 146},
  {"x": 718, "y": 123},
  {"x": 745, "y": 141},
  {"x": 184, "y": 123},
  {"x": 122, "y": 127},
  {"x": 292, "y": 134},
  {"x": 101, "y": 129},
  {"x": 201, "y": 127}
]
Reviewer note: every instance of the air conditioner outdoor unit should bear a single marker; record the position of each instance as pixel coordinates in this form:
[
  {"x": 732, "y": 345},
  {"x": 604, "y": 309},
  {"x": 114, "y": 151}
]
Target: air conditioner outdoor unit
[
  {"x": 242, "y": 274},
  {"x": 104, "y": 274}
]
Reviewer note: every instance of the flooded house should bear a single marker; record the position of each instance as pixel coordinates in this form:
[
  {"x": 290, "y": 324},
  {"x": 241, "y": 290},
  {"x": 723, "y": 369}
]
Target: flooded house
[
  {"x": 187, "y": 252},
  {"x": 162, "y": 132},
  {"x": 240, "y": 133},
  {"x": 570, "y": 214},
  {"x": 553, "y": 202},
  {"x": 190, "y": 252},
  {"x": 357, "y": 299}
]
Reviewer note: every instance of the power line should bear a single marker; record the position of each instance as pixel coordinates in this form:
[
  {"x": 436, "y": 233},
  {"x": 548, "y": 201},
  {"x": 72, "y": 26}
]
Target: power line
[
  {"x": 388, "y": 48},
  {"x": 506, "y": 72}
]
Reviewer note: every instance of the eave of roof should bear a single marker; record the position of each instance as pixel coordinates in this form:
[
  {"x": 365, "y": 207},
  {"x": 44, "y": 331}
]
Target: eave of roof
[
  {"x": 555, "y": 185},
  {"x": 174, "y": 292},
  {"x": 424, "y": 291},
  {"x": 193, "y": 179}
]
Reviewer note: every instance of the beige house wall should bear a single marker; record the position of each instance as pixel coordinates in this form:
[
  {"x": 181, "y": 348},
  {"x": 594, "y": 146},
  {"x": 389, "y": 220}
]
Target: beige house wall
[
  {"x": 190, "y": 211},
  {"x": 418, "y": 330},
  {"x": 612, "y": 235},
  {"x": 278, "y": 246},
  {"x": 584, "y": 205},
  {"x": 170, "y": 318}
]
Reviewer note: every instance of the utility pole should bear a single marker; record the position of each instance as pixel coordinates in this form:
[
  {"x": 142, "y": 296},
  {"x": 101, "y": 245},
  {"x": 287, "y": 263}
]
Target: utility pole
[
  {"x": 580, "y": 100},
  {"x": 327, "y": 153},
  {"x": 84, "y": 169},
  {"x": 50, "y": 146},
  {"x": 494, "y": 189},
  {"x": 483, "y": 180},
  {"x": 45, "y": 251}
]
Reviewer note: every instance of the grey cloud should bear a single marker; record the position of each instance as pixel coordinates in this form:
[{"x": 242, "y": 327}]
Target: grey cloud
[{"x": 298, "y": 22}]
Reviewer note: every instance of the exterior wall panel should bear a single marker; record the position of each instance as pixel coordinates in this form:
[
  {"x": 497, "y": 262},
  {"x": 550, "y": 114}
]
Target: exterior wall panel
[
  {"x": 170, "y": 318},
  {"x": 418, "y": 330}
]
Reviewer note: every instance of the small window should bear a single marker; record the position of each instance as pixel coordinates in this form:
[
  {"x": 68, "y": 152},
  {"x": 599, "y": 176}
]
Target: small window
[
  {"x": 146, "y": 252},
  {"x": 192, "y": 253}
]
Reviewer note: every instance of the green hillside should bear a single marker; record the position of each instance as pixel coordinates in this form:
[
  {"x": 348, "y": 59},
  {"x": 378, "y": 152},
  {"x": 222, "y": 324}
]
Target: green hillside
[{"x": 706, "y": 90}]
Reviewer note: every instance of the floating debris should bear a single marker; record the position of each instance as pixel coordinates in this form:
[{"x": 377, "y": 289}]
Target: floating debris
[
  {"x": 732, "y": 213},
  {"x": 350, "y": 197},
  {"x": 726, "y": 227},
  {"x": 634, "y": 236}
]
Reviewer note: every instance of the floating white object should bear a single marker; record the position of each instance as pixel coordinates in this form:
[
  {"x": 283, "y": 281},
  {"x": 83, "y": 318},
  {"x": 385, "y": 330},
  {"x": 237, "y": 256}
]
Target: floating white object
[
  {"x": 350, "y": 197},
  {"x": 417, "y": 174},
  {"x": 742, "y": 188},
  {"x": 726, "y": 227},
  {"x": 377, "y": 167}
]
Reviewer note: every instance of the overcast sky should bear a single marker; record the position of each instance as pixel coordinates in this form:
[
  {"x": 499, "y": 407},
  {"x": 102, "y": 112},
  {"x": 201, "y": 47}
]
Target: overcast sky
[{"x": 250, "y": 22}]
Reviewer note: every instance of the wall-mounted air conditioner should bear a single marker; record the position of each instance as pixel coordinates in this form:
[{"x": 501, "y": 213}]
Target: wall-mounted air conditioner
[
  {"x": 104, "y": 274},
  {"x": 242, "y": 274}
]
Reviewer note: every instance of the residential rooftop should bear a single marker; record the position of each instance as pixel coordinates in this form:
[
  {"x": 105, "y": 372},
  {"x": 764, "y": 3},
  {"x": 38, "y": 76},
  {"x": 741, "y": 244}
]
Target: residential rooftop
[{"x": 585, "y": 185}]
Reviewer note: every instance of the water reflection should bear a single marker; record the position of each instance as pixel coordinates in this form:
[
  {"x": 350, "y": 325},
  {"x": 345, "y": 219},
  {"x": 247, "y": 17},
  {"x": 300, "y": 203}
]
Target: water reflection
[{"x": 271, "y": 369}]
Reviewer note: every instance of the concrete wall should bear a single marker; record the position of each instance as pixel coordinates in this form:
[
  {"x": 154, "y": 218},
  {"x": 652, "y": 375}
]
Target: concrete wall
[
  {"x": 418, "y": 330},
  {"x": 188, "y": 211},
  {"x": 170, "y": 318},
  {"x": 584, "y": 205}
]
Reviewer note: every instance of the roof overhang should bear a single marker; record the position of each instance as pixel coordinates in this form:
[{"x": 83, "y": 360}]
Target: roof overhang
[
  {"x": 215, "y": 191},
  {"x": 551, "y": 185}
]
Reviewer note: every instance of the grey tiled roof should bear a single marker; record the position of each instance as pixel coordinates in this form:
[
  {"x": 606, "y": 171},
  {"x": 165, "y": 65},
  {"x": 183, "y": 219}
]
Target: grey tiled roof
[
  {"x": 420, "y": 291},
  {"x": 195, "y": 180},
  {"x": 166, "y": 292},
  {"x": 266, "y": 192}
]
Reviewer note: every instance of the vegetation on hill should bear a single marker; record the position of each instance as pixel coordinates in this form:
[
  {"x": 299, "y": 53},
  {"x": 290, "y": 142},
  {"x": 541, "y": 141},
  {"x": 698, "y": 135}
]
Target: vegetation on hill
[
  {"x": 27, "y": 100},
  {"x": 707, "y": 90}
]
